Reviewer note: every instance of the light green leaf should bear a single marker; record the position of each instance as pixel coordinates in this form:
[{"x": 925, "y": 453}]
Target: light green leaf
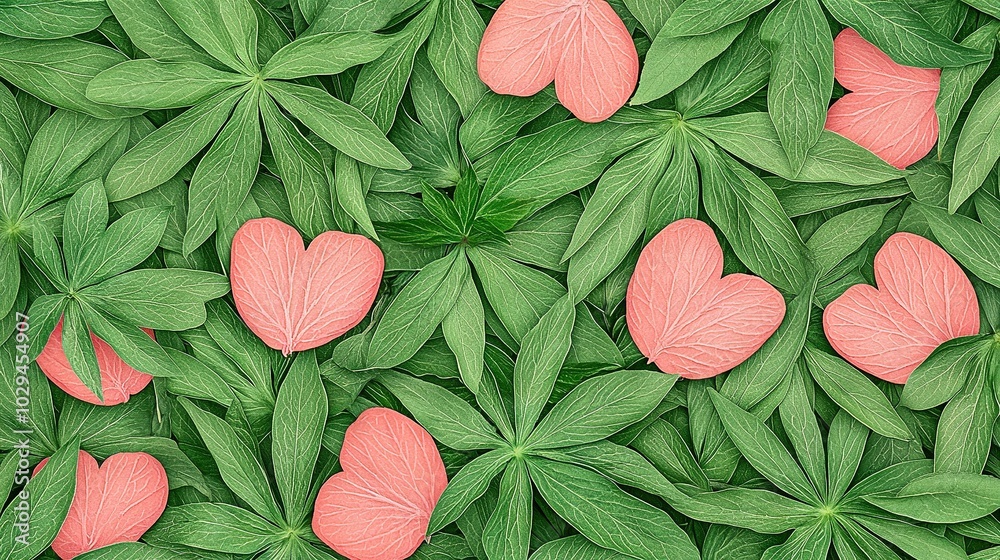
[
  {"x": 151, "y": 84},
  {"x": 227, "y": 29},
  {"x": 978, "y": 147},
  {"x": 464, "y": 329},
  {"x": 325, "y": 54},
  {"x": 542, "y": 354}
]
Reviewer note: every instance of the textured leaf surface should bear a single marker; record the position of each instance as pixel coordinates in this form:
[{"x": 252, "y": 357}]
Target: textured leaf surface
[
  {"x": 296, "y": 299},
  {"x": 685, "y": 316},
  {"x": 923, "y": 299},
  {"x": 582, "y": 45},
  {"x": 380, "y": 506}
]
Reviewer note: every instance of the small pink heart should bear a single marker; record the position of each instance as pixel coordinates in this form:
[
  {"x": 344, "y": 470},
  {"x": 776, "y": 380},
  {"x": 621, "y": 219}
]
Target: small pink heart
[
  {"x": 294, "y": 299},
  {"x": 685, "y": 316},
  {"x": 582, "y": 45},
  {"x": 119, "y": 381},
  {"x": 114, "y": 503},
  {"x": 379, "y": 507},
  {"x": 890, "y": 109},
  {"x": 923, "y": 299}
]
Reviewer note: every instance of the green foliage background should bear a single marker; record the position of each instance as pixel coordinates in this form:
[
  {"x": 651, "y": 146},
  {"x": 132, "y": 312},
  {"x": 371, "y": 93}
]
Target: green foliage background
[{"x": 136, "y": 136}]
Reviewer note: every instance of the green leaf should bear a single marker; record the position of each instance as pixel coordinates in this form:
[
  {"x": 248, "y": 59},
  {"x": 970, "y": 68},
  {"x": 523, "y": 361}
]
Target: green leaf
[
  {"x": 85, "y": 220},
  {"x": 464, "y": 329},
  {"x": 338, "y": 123},
  {"x": 798, "y": 36},
  {"x": 51, "y": 19},
  {"x": 447, "y": 417},
  {"x": 978, "y": 148},
  {"x": 543, "y": 352},
  {"x": 223, "y": 178},
  {"x": 608, "y": 516},
  {"x": 749, "y": 215},
  {"x": 942, "y": 374},
  {"x": 152, "y": 31},
  {"x": 698, "y": 17},
  {"x": 519, "y": 294},
  {"x": 216, "y": 527},
  {"x": 918, "y": 542},
  {"x": 972, "y": 244},
  {"x": 507, "y": 534},
  {"x": 538, "y": 169},
  {"x": 58, "y": 72},
  {"x": 299, "y": 416},
  {"x": 614, "y": 217},
  {"x": 671, "y": 61},
  {"x": 124, "y": 245},
  {"x": 753, "y": 138},
  {"x": 846, "y": 445},
  {"x": 49, "y": 494},
  {"x": 151, "y": 84},
  {"x": 856, "y": 394},
  {"x": 241, "y": 470},
  {"x": 761, "y": 511},
  {"x": 763, "y": 450},
  {"x": 79, "y": 349},
  {"x": 806, "y": 543},
  {"x": 799, "y": 422},
  {"x": 452, "y": 51},
  {"x": 418, "y": 310},
  {"x": 160, "y": 155},
  {"x": 227, "y": 29},
  {"x": 965, "y": 429},
  {"x": 325, "y": 54},
  {"x": 10, "y": 267},
  {"x": 902, "y": 33},
  {"x": 302, "y": 171},
  {"x": 170, "y": 299},
  {"x": 600, "y": 407},
  {"x": 676, "y": 194},
  {"x": 766, "y": 369},
  {"x": 944, "y": 498},
  {"x": 467, "y": 486},
  {"x": 957, "y": 82},
  {"x": 575, "y": 547},
  {"x": 843, "y": 234},
  {"x": 381, "y": 83}
]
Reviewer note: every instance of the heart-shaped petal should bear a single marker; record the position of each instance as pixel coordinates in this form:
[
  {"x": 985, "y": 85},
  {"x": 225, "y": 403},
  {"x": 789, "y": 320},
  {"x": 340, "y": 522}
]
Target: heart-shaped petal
[
  {"x": 119, "y": 381},
  {"x": 582, "y": 45},
  {"x": 890, "y": 109},
  {"x": 379, "y": 507},
  {"x": 114, "y": 503},
  {"x": 294, "y": 299},
  {"x": 685, "y": 316},
  {"x": 923, "y": 299}
]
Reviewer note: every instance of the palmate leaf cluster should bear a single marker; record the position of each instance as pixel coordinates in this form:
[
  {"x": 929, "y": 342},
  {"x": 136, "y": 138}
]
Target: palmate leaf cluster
[{"x": 137, "y": 136}]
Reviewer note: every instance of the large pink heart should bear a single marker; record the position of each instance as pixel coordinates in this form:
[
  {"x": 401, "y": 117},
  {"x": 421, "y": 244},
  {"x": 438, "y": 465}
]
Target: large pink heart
[
  {"x": 295, "y": 299},
  {"x": 380, "y": 506},
  {"x": 685, "y": 316},
  {"x": 119, "y": 381},
  {"x": 580, "y": 44},
  {"x": 890, "y": 109},
  {"x": 923, "y": 299},
  {"x": 114, "y": 503}
]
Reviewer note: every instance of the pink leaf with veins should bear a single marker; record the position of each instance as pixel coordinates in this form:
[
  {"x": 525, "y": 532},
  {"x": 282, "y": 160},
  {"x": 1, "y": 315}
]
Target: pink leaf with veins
[
  {"x": 582, "y": 45},
  {"x": 685, "y": 316},
  {"x": 923, "y": 299},
  {"x": 114, "y": 503},
  {"x": 295, "y": 299},
  {"x": 379, "y": 507},
  {"x": 119, "y": 381},
  {"x": 890, "y": 109}
]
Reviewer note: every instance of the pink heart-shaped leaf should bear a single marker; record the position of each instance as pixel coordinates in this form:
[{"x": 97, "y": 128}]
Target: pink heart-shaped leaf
[
  {"x": 890, "y": 109},
  {"x": 295, "y": 299},
  {"x": 923, "y": 299},
  {"x": 685, "y": 316},
  {"x": 379, "y": 507},
  {"x": 582, "y": 45},
  {"x": 114, "y": 503},
  {"x": 119, "y": 381}
]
